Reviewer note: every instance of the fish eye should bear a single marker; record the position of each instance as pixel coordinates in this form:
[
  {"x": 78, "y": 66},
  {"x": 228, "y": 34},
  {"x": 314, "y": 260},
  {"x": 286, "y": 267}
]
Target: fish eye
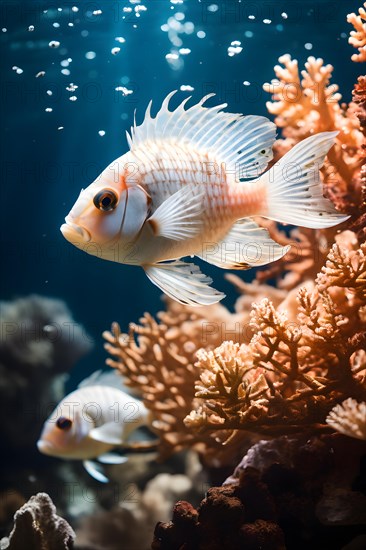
[
  {"x": 64, "y": 423},
  {"x": 106, "y": 200}
]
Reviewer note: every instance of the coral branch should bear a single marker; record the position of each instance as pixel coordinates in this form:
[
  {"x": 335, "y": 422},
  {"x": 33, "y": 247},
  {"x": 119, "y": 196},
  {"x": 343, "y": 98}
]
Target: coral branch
[
  {"x": 358, "y": 36},
  {"x": 349, "y": 418}
]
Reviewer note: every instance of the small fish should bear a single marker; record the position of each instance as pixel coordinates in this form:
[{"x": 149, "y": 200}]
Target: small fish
[
  {"x": 91, "y": 421},
  {"x": 189, "y": 186}
]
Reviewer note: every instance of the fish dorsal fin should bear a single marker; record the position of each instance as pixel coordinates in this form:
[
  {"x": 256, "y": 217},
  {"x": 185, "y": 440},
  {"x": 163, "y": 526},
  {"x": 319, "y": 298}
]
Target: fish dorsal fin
[
  {"x": 243, "y": 142},
  {"x": 109, "y": 378}
]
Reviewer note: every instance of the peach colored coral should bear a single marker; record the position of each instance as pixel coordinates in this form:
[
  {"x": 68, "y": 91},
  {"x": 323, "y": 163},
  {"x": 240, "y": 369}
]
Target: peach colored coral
[{"x": 358, "y": 36}]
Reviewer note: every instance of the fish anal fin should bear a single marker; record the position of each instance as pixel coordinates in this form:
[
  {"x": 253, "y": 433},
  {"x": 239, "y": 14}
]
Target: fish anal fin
[
  {"x": 245, "y": 245},
  {"x": 95, "y": 470},
  {"x": 112, "y": 458},
  {"x": 179, "y": 216},
  {"x": 183, "y": 282}
]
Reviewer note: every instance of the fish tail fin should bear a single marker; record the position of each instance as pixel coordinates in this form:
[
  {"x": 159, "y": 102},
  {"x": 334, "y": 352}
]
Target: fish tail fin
[{"x": 294, "y": 189}]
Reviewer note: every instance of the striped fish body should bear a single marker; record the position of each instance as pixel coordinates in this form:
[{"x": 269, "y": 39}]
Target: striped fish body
[
  {"x": 170, "y": 167},
  {"x": 189, "y": 185}
]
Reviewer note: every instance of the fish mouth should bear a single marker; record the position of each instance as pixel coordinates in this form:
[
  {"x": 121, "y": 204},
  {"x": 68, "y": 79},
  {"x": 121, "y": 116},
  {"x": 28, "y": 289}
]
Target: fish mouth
[
  {"x": 74, "y": 233},
  {"x": 45, "y": 447}
]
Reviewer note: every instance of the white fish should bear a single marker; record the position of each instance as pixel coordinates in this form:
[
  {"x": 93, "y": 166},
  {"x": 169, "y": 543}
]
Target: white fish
[
  {"x": 189, "y": 186},
  {"x": 91, "y": 421}
]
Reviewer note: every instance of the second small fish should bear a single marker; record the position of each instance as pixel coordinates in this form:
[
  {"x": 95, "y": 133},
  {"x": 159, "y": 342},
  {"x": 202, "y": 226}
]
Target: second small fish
[
  {"x": 189, "y": 186},
  {"x": 90, "y": 422}
]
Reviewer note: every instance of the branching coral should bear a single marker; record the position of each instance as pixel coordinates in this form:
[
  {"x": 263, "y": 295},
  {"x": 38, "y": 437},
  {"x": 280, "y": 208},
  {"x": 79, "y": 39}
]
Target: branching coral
[
  {"x": 307, "y": 105},
  {"x": 291, "y": 373},
  {"x": 157, "y": 358},
  {"x": 294, "y": 369},
  {"x": 303, "y": 106},
  {"x": 307, "y": 255},
  {"x": 349, "y": 418},
  {"x": 358, "y": 36}
]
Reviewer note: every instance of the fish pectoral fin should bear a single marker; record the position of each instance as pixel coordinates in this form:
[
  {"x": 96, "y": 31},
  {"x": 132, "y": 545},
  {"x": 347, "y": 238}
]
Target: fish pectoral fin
[
  {"x": 183, "y": 282},
  {"x": 112, "y": 458},
  {"x": 180, "y": 216},
  {"x": 110, "y": 433},
  {"x": 95, "y": 470},
  {"x": 246, "y": 245}
]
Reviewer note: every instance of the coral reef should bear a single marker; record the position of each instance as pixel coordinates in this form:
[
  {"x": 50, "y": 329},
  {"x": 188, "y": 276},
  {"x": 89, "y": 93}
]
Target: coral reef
[
  {"x": 294, "y": 369},
  {"x": 303, "y": 358},
  {"x": 295, "y": 355},
  {"x": 38, "y": 527},
  {"x": 157, "y": 358}
]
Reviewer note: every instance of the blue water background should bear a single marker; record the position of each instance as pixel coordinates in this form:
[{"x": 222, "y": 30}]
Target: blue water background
[{"x": 43, "y": 168}]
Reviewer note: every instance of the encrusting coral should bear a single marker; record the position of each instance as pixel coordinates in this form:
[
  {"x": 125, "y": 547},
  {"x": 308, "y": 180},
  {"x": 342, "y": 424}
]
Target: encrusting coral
[{"x": 38, "y": 527}]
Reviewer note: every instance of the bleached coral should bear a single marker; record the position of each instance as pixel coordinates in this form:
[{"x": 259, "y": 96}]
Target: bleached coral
[
  {"x": 349, "y": 418},
  {"x": 358, "y": 36}
]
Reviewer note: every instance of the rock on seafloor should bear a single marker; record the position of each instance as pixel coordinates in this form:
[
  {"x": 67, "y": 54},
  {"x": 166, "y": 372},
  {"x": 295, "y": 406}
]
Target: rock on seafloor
[{"x": 38, "y": 527}]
